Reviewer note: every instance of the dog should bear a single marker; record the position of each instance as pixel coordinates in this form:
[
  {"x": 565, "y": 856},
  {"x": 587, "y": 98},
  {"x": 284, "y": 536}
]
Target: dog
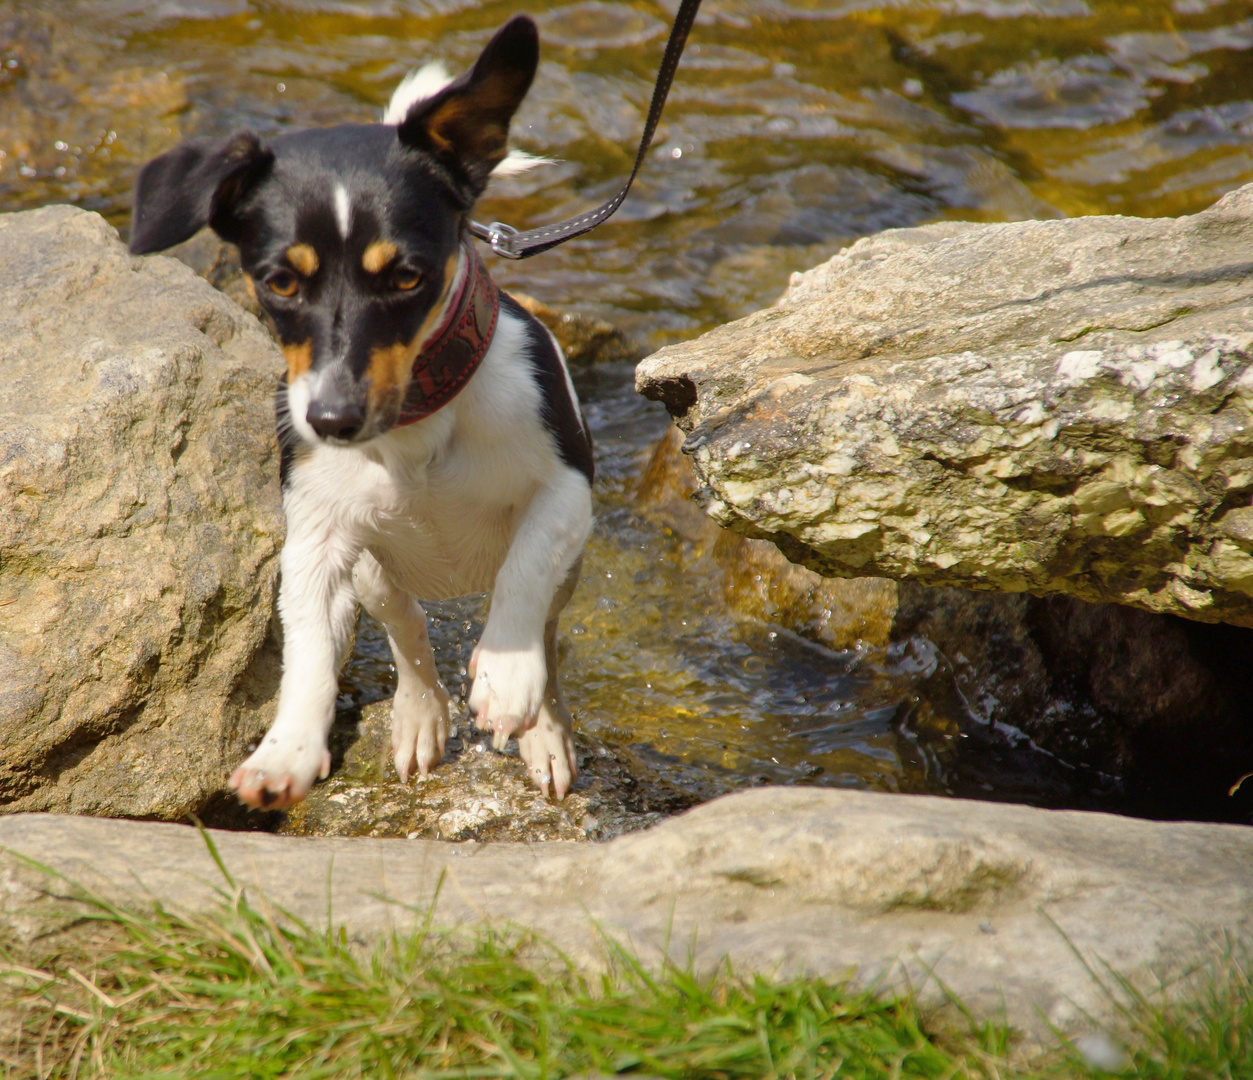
[{"x": 432, "y": 441}]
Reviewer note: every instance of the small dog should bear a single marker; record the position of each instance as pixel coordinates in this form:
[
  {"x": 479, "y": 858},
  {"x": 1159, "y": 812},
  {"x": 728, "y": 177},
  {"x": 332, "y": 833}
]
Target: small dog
[{"x": 432, "y": 441}]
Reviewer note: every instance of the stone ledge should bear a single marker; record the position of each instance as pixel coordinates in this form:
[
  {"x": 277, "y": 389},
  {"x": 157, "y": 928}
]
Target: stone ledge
[
  {"x": 997, "y": 901},
  {"x": 1060, "y": 406}
]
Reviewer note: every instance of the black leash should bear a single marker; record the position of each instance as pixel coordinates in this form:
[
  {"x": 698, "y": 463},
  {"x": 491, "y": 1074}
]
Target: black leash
[{"x": 507, "y": 241}]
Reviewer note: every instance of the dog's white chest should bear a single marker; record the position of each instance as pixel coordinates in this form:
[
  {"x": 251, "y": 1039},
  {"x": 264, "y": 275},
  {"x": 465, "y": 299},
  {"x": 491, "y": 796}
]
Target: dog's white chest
[
  {"x": 439, "y": 503},
  {"x": 437, "y": 541}
]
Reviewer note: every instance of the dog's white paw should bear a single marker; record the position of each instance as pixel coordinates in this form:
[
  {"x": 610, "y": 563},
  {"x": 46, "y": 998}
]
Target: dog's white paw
[
  {"x": 508, "y": 690},
  {"x": 280, "y": 772},
  {"x": 547, "y": 750},
  {"x": 419, "y": 731}
]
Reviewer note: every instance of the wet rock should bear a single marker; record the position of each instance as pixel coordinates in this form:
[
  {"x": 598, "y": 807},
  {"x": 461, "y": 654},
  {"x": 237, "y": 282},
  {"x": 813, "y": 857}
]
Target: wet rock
[
  {"x": 585, "y": 340},
  {"x": 141, "y": 525},
  {"x": 1012, "y": 909},
  {"x": 1045, "y": 406},
  {"x": 1141, "y": 711},
  {"x": 476, "y": 793},
  {"x": 758, "y": 582},
  {"x": 1148, "y": 713}
]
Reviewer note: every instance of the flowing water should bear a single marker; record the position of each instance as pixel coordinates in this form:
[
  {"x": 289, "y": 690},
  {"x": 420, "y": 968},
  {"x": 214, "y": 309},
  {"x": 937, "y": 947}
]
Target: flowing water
[{"x": 795, "y": 126}]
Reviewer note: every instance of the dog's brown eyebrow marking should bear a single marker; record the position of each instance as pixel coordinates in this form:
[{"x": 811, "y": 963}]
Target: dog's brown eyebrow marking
[
  {"x": 299, "y": 358},
  {"x": 391, "y": 366},
  {"x": 378, "y": 255},
  {"x": 303, "y": 258}
]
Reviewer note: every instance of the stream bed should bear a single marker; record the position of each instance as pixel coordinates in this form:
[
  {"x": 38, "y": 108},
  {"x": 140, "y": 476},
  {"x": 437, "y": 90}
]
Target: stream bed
[{"x": 794, "y": 127}]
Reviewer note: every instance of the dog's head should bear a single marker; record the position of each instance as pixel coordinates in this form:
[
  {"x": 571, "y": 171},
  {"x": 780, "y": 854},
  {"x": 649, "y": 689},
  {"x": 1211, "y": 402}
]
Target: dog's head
[{"x": 351, "y": 236}]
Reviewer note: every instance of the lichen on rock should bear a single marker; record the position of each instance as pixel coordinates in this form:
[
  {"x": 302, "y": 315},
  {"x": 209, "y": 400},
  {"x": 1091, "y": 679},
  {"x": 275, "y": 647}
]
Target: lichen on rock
[{"x": 1060, "y": 406}]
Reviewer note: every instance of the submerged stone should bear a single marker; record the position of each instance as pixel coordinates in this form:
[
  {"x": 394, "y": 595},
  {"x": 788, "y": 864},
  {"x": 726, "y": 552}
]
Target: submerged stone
[{"x": 476, "y": 793}]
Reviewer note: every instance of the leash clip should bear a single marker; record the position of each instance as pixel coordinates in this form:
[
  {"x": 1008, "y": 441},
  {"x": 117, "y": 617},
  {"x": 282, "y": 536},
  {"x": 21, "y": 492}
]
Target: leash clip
[{"x": 496, "y": 235}]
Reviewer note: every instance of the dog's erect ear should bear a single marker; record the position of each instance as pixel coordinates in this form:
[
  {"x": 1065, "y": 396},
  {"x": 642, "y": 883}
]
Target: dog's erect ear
[
  {"x": 467, "y": 122},
  {"x": 194, "y": 185}
]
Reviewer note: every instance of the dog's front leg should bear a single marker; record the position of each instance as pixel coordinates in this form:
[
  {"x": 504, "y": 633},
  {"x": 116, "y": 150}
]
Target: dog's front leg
[
  {"x": 508, "y": 666},
  {"x": 420, "y": 707},
  {"x": 318, "y": 608}
]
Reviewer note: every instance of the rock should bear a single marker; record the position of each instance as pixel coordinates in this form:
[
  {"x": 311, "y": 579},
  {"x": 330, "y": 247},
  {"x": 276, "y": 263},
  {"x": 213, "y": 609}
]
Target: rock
[
  {"x": 1040, "y": 406},
  {"x": 476, "y": 793},
  {"x": 758, "y": 582},
  {"x": 218, "y": 263},
  {"x": 1003, "y": 905},
  {"x": 584, "y": 340},
  {"x": 140, "y": 529},
  {"x": 1147, "y": 713}
]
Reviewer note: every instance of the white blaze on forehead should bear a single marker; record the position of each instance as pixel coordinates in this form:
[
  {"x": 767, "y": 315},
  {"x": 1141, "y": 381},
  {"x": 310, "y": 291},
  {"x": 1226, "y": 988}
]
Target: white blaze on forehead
[{"x": 343, "y": 211}]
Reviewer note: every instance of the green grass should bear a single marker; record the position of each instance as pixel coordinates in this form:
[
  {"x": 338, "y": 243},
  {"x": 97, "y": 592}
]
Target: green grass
[{"x": 245, "y": 991}]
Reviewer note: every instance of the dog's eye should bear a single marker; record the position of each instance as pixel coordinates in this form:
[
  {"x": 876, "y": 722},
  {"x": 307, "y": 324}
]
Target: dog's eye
[
  {"x": 405, "y": 279},
  {"x": 283, "y": 283}
]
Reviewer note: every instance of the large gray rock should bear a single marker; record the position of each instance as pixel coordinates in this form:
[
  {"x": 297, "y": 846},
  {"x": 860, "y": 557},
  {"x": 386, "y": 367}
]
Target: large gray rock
[
  {"x": 1003, "y": 904},
  {"x": 1046, "y": 406},
  {"x": 140, "y": 523}
]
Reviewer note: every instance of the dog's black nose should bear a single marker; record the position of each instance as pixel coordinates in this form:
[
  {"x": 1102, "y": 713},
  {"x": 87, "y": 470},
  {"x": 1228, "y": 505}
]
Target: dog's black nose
[{"x": 337, "y": 420}]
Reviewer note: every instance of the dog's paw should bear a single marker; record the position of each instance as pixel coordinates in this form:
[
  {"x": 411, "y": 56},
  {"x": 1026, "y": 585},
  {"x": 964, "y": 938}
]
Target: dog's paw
[
  {"x": 508, "y": 690},
  {"x": 281, "y": 771},
  {"x": 547, "y": 750},
  {"x": 419, "y": 731}
]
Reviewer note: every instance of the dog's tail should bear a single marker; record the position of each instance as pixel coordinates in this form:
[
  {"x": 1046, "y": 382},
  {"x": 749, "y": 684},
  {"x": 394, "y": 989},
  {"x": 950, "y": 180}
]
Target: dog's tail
[{"x": 425, "y": 82}]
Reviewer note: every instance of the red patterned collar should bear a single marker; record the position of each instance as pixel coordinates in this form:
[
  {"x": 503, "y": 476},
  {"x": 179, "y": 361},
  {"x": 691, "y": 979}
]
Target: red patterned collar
[{"x": 442, "y": 369}]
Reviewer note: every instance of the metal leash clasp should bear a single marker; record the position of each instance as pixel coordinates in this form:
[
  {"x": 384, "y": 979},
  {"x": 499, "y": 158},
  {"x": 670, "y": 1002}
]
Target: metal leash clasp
[{"x": 495, "y": 236}]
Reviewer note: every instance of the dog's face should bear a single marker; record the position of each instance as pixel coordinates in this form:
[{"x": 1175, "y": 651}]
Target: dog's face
[{"x": 350, "y": 236}]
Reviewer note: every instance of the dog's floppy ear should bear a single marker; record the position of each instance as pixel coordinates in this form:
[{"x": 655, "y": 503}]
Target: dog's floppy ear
[
  {"x": 467, "y": 122},
  {"x": 193, "y": 185}
]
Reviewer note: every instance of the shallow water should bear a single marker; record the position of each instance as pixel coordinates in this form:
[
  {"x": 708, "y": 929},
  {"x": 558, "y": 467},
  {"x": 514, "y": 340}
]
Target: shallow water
[{"x": 794, "y": 127}]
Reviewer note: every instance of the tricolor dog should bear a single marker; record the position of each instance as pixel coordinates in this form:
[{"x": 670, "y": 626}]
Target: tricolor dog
[{"x": 432, "y": 442}]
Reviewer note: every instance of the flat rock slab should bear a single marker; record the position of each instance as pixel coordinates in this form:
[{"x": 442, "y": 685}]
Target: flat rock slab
[
  {"x": 1039, "y": 406},
  {"x": 1003, "y": 903}
]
